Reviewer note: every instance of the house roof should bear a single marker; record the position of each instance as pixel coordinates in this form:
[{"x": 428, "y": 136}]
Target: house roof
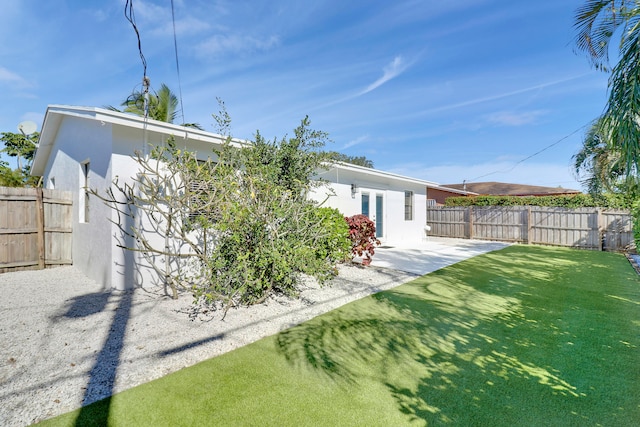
[
  {"x": 452, "y": 190},
  {"x": 507, "y": 189},
  {"x": 370, "y": 172},
  {"x": 55, "y": 113}
]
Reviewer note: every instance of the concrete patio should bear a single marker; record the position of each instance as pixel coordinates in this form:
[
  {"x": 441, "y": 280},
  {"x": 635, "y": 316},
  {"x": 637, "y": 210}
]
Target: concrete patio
[{"x": 432, "y": 254}]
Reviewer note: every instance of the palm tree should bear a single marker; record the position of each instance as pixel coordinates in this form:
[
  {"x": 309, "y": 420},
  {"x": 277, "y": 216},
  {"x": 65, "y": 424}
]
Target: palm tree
[
  {"x": 597, "y": 21},
  {"x": 163, "y": 106},
  {"x": 597, "y": 165}
]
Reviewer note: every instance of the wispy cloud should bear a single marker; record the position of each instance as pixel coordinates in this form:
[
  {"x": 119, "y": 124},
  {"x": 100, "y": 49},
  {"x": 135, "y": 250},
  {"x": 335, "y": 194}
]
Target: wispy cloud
[
  {"x": 234, "y": 43},
  {"x": 150, "y": 12},
  {"x": 391, "y": 71},
  {"x": 9, "y": 77},
  {"x": 353, "y": 142},
  {"x": 501, "y": 95},
  {"x": 511, "y": 118},
  {"x": 184, "y": 26},
  {"x": 545, "y": 174}
]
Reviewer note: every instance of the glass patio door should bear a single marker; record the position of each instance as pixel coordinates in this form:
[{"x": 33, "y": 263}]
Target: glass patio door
[{"x": 374, "y": 212}]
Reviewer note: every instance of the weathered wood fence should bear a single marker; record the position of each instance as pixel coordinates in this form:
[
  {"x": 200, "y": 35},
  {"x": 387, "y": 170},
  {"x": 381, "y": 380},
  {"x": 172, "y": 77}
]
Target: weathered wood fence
[
  {"x": 588, "y": 228},
  {"x": 35, "y": 228}
]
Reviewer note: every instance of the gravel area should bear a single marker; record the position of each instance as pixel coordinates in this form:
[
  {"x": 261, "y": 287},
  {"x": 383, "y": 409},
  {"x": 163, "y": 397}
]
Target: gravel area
[{"x": 66, "y": 341}]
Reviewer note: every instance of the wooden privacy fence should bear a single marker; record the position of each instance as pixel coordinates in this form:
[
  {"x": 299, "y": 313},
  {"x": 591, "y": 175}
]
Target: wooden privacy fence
[
  {"x": 588, "y": 228},
  {"x": 35, "y": 228}
]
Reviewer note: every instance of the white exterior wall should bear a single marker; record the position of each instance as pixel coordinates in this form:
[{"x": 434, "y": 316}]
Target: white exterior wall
[
  {"x": 395, "y": 229},
  {"x": 79, "y": 141},
  {"x": 107, "y": 140}
]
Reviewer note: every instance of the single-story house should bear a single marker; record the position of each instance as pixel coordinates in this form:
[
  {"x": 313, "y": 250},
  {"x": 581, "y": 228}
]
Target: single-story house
[
  {"x": 397, "y": 204},
  {"x": 88, "y": 147}
]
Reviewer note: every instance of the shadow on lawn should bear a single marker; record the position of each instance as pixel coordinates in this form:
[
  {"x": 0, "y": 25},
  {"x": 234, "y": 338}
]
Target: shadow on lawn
[{"x": 493, "y": 353}]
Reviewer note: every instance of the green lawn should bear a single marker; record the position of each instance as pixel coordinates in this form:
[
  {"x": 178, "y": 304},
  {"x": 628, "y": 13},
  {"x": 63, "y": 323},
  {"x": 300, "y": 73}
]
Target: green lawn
[{"x": 523, "y": 336}]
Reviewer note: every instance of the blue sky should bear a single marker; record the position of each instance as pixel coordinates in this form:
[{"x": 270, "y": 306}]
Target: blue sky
[{"x": 444, "y": 91}]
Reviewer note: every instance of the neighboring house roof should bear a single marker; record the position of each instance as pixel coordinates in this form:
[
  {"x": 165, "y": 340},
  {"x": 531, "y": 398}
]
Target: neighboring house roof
[
  {"x": 508, "y": 189},
  {"x": 55, "y": 113},
  {"x": 453, "y": 191}
]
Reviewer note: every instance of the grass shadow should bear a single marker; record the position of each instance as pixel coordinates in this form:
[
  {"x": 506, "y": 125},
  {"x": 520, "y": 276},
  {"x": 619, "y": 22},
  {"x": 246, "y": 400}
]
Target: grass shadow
[{"x": 525, "y": 335}]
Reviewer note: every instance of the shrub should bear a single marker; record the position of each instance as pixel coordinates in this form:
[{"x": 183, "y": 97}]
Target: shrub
[
  {"x": 334, "y": 243},
  {"x": 362, "y": 232},
  {"x": 237, "y": 229},
  {"x": 635, "y": 213},
  {"x": 615, "y": 201}
]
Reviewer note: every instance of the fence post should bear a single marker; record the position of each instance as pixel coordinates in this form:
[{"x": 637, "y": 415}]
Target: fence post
[
  {"x": 470, "y": 222},
  {"x": 529, "y": 227},
  {"x": 600, "y": 229},
  {"x": 40, "y": 225}
]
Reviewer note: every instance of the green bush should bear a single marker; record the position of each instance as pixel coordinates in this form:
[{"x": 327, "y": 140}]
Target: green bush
[
  {"x": 267, "y": 231},
  {"x": 614, "y": 201},
  {"x": 635, "y": 213},
  {"x": 333, "y": 244}
]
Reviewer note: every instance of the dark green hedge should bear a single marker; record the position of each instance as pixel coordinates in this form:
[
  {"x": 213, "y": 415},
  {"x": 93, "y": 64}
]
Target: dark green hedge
[{"x": 613, "y": 201}]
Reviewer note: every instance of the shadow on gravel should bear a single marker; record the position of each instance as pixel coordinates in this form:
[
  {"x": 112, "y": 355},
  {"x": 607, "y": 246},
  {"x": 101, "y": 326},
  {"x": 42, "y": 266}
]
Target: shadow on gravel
[
  {"x": 102, "y": 376},
  {"x": 86, "y": 305}
]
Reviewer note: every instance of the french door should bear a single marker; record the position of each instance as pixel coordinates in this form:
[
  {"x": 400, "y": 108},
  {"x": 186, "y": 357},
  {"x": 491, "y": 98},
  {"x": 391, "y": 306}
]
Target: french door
[{"x": 374, "y": 210}]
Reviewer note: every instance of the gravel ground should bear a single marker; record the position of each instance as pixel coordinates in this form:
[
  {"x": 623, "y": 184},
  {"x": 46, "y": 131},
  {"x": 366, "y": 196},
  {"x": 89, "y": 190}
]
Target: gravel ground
[{"x": 66, "y": 341}]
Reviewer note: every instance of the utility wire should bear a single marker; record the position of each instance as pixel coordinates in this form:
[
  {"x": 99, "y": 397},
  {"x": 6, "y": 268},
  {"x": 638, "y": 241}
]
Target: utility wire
[
  {"x": 175, "y": 44},
  {"x": 131, "y": 17},
  {"x": 532, "y": 155}
]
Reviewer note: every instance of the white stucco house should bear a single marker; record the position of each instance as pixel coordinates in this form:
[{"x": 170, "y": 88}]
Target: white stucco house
[{"x": 88, "y": 147}]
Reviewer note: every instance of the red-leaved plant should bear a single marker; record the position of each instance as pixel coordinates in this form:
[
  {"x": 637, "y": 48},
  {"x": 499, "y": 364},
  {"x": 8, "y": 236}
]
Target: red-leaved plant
[{"x": 362, "y": 232}]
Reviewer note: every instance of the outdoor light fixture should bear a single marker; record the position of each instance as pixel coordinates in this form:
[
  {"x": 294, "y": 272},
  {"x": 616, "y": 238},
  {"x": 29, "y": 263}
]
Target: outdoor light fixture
[{"x": 354, "y": 190}]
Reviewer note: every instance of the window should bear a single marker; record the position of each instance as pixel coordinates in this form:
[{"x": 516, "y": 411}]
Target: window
[
  {"x": 408, "y": 205},
  {"x": 199, "y": 200},
  {"x": 84, "y": 192},
  {"x": 199, "y": 191},
  {"x": 365, "y": 204}
]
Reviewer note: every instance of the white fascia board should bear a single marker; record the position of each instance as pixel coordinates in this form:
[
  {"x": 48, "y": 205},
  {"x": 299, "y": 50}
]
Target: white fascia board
[
  {"x": 361, "y": 170},
  {"x": 55, "y": 113}
]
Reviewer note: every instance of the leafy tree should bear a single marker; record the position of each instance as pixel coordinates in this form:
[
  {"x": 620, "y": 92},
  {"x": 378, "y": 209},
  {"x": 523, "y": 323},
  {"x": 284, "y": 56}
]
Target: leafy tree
[
  {"x": 22, "y": 148},
  {"x": 10, "y": 177},
  {"x": 163, "y": 105},
  {"x": 598, "y": 165},
  {"x": 354, "y": 160},
  {"x": 597, "y": 22},
  {"x": 19, "y": 146}
]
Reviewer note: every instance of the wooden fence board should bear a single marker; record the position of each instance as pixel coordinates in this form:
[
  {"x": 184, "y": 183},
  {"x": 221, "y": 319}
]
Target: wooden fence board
[
  {"x": 589, "y": 228},
  {"x": 35, "y": 228}
]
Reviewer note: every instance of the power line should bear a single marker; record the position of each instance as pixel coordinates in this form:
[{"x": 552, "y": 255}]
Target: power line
[
  {"x": 131, "y": 17},
  {"x": 532, "y": 155},
  {"x": 175, "y": 44}
]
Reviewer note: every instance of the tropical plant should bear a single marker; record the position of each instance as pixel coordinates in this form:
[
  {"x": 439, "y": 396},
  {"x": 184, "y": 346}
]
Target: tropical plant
[
  {"x": 597, "y": 22},
  {"x": 362, "y": 232},
  {"x": 162, "y": 106},
  {"x": 598, "y": 165}
]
